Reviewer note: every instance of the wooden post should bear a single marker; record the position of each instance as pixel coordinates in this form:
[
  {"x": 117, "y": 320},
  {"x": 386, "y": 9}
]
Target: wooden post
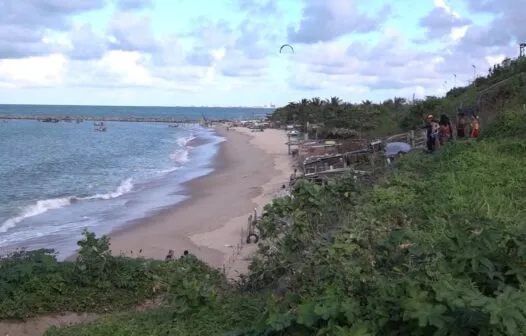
[
  {"x": 288, "y": 136},
  {"x": 412, "y": 139}
]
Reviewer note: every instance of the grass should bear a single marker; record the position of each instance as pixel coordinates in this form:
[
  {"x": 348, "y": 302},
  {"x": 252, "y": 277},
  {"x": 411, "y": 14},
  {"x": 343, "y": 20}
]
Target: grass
[{"x": 231, "y": 311}]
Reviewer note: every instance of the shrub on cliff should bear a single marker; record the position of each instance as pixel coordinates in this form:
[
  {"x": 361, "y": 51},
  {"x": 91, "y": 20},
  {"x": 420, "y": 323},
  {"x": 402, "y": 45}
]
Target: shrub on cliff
[
  {"x": 198, "y": 302},
  {"x": 507, "y": 125}
]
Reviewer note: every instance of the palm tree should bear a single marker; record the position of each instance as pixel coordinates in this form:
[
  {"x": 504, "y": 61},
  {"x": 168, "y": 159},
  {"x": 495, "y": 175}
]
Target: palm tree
[
  {"x": 316, "y": 112},
  {"x": 335, "y": 101},
  {"x": 399, "y": 101}
]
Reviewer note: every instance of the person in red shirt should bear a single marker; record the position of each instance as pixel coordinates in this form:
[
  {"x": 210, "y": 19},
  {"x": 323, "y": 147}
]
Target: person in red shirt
[
  {"x": 445, "y": 129},
  {"x": 475, "y": 127}
]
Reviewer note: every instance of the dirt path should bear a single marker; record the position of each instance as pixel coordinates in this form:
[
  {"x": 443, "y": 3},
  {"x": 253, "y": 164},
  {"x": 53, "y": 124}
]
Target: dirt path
[{"x": 37, "y": 326}]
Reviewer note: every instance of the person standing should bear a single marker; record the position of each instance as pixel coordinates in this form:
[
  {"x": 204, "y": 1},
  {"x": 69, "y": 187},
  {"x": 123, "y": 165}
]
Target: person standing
[
  {"x": 170, "y": 255},
  {"x": 461, "y": 126},
  {"x": 432, "y": 131},
  {"x": 475, "y": 127},
  {"x": 446, "y": 130}
]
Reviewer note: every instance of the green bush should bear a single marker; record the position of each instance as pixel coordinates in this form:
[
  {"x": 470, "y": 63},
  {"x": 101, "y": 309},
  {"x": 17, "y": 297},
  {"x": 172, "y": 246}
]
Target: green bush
[
  {"x": 437, "y": 249},
  {"x": 34, "y": 282},
  {"x": 197, "y": 304},
  {"x": 508, "y": 124}
]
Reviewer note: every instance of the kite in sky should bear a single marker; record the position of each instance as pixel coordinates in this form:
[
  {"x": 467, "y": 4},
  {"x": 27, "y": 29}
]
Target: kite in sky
[{"x": 284, "y": 46}]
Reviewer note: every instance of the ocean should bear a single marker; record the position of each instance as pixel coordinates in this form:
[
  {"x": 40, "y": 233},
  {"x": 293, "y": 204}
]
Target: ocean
[{"x": 58, "y": 178}]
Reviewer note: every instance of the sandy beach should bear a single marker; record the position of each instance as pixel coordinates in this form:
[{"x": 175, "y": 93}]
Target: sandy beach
[{"x": 250, "y": 169}]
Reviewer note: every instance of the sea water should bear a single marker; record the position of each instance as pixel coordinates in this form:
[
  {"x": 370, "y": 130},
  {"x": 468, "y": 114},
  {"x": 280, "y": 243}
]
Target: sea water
[{"x": 58, "y": 178}]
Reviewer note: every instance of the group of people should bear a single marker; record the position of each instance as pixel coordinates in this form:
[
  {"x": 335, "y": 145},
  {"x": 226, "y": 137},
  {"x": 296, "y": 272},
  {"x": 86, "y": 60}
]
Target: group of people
[
  {"x": 171, "y": 255},
  {"x": 440, "y": 131}
]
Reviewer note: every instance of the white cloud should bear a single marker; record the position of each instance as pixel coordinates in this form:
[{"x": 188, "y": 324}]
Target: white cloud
[
  {"x": 218, "y": 54},
  {"x": 38, "y": 71},
  {"x": 442, "y": 4},
  {"x": 495, "y": 59},
  {"x": 128, "y": 66},
  {"x": 456, "y": 32},
  {"x": 211, "y": 72},
  {"x": 419, "y": 92}
]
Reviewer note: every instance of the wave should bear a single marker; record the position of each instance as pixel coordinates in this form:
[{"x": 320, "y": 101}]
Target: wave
[
  {"x": 181, "y": 155},
  {"x": 182, "y": 142},
  {"x": 43, "y": 206},
  {"x": 168, "y": 170}
]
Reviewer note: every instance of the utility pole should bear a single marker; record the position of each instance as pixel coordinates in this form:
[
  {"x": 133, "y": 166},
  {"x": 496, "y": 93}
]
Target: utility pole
[
  {"x": 474, "y": 72},
  {"x": 454, "y": 80}
]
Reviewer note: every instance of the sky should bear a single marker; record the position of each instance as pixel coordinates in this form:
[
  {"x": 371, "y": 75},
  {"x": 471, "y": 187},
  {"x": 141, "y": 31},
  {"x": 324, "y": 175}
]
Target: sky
[{"x": 226, "y": 52}]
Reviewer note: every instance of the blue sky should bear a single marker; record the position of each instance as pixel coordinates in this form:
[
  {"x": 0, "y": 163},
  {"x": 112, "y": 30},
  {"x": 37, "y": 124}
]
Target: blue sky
[{"x": 225, "y": 52}]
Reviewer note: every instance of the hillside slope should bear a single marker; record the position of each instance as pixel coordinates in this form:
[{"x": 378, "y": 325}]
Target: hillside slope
[{"x": 435, "y": 248}]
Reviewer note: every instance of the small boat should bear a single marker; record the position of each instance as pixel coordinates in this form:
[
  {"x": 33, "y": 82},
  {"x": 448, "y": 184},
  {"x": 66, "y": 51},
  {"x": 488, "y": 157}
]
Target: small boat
[
  {"x": 173, "y": 125},
  {"x": 99, "y": 126}
]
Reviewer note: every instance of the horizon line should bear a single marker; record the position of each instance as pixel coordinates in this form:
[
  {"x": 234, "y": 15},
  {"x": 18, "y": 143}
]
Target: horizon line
[{"x": 160, "y": 106}]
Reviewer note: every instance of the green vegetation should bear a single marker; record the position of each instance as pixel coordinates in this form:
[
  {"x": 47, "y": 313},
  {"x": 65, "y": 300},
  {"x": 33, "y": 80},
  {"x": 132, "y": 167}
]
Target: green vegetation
[
  {"x": 197, "y": 302},
  {"x": 34, "y": 282},
  {"x": 434, "y": 246},
  {"x": 436, "y": 249},
  {"x": 338, "y": 119}
]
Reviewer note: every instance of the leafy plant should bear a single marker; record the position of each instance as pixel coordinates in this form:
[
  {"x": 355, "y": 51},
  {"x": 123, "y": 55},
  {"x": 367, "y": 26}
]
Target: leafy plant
[
  {"x": 35, "y": 282},
  {"x": 436, "y": 249}
]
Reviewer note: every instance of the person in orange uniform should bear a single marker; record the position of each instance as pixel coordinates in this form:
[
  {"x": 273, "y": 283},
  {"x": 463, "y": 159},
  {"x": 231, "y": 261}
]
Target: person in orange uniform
[{"x": 475, "y": 127}]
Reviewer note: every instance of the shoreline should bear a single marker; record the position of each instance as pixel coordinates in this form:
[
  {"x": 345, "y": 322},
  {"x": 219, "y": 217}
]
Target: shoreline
[
  {"x": 211, "y": 223},
  {"x": 137, "y": 193},
  {"x": 155, "y": 213}
]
